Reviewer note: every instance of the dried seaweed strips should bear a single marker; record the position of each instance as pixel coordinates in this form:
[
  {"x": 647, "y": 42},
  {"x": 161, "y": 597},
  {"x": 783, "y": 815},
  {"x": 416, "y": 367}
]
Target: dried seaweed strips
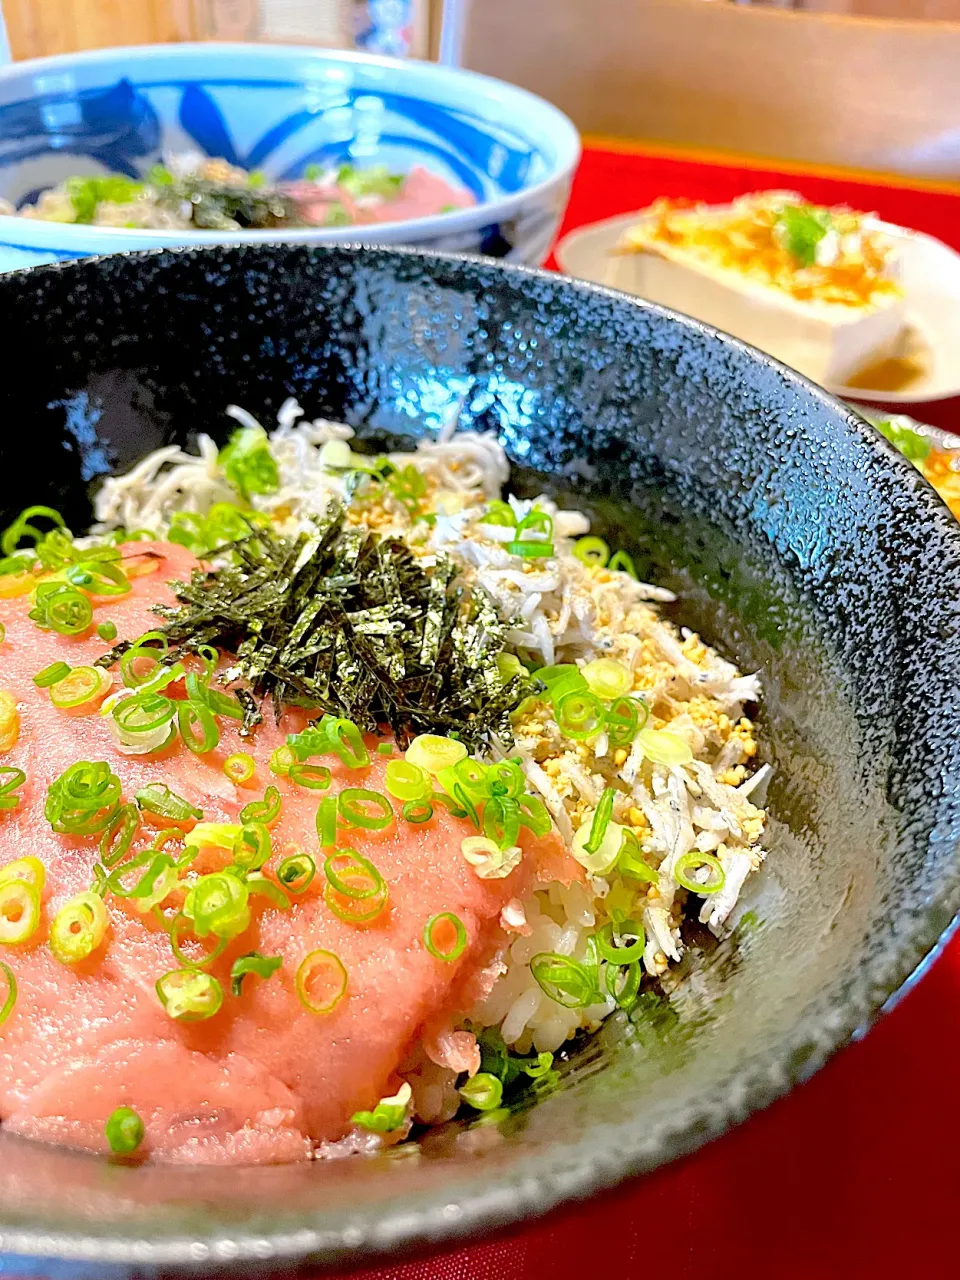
[{"x": 341, "y": 620}]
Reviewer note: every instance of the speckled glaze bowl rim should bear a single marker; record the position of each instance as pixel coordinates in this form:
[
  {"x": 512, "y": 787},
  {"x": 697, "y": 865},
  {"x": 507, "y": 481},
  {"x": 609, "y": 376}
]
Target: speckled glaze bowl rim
[
  {"x": 103, "y": 240},
  {"x": 880, "y": 981}
]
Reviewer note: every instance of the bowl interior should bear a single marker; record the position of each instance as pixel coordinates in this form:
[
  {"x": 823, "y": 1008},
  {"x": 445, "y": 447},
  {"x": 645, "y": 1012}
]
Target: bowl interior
[
  {"x": 799, "y": 543},
  {"x": 272, "y": 109}
]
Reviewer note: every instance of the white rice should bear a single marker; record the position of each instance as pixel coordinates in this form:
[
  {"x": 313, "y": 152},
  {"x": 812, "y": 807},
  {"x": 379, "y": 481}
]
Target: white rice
[{"x": 561, "y": 611}]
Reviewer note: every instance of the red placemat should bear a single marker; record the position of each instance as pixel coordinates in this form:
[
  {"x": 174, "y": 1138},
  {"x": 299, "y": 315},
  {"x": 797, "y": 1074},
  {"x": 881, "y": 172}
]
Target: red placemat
[{"x": 855, "y": 1174}]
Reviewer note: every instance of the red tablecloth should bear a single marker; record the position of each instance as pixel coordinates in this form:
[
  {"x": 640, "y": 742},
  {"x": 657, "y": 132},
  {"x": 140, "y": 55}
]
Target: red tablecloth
[{"x": 853, "y": 1175}]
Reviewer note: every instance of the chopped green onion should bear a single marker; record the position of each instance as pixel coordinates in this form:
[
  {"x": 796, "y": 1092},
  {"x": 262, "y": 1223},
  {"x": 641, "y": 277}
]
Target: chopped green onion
[
  {"x": 691, "y": 862},
  {"x": 623, "y": 984},
  {"x": 240, "y": 767},
  {"x": 21, "y": 528},
  {"x": 158, "y": 880},
  {"x": 78, "y": 687},
  {"x": 663, "y": 747},
  {"x": 327, "y": 822},
  {"x": 472, "y": 776},
  {"x": 389, "y": 1113},
  {"x": 488, "y": 860},
  {"x": 27, "y": 868},
  {"x": 431, "y": 752},
  {"x": 282, "y": 761},
  {"x": 563, "y": 979},
  {"x": 99, "y": 579},
  {"x": 617, "y": 952},
  {"x": 561, "y": 680},
  {"x": 252, "y": 847},
  {"x": 107, "y": 631},
  {"x": 623, "y": 720},
  {"x": 266, "y": 810},
  {"x": 607, "y": 678},
  {"x": 296, "y": 872},
  {"x": 197, "y": 726},
  {"x": 189, "y": 996},
  {"x": 124, "y": 1131},
  {"x": 385, "y": 748},
  {"x": 346, "y": 740},
  {"x": 314, "y": 777},
  {"x": 156, "y": 797},
  {"x": 143, "y": 713},
  {"x": 505, "y": 779},
  {"x": 593, "y": 552},
  {"x": 321, "y": 981},
  {"x": 151, "y": 647},
  {"x": 180, "y": 925},
  {"x": 536, "y": 522},
  {"x": 630, "y": 861},
  {"x": 484, "y": 1092},
  {"x": 253, "y": 962},
  {"x": 417, "y": 811},
  {"x": 119, "y": 835},
  {"x": 83, "y": 800},
  {"x": 501, "y": 514},
  {"x": 356, "y": 878},
  {"x": 61, "y": 608},
  {"x": 580, "y": 715},
  {"x": 51, "y": 675},
  {"x": 19, "y": 911},
  {"x": 361, "y": 807},
  {"x": 537, "y": 1067},
  {"x": 622, "y": 562},
  {"x": 534, "y": 815},
  {"x": 218, "y": 904},
  {"x": 445, "y": 936},
  {"x": 406, "y": 781},
  {"x": 11, "y": 999},
  {"x": 257, "y": 883},
  {"x": 509, "y": 667},
  {"x": 501, "y": 821},
  {"x": 78, "y": 928},
  {"x": 530, "y": 550},
  {"x": 601, "y": 820}
]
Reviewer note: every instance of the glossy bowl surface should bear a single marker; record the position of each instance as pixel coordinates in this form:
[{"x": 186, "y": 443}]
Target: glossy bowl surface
[
  {"x": 279, "y": 109},
  {"x": 798, "y": 541}
]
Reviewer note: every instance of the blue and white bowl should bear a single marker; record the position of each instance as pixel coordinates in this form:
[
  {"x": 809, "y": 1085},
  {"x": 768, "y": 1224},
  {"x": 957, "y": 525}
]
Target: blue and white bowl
[{"x": 279, "y": 109}]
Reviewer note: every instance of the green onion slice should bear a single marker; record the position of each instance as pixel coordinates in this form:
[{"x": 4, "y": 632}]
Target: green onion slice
[
  {"x": 484, "y": 1092},
  {"x": 314, "y": 777},
  {"x": 99, "y": 578},
  {"x": 296, "y": 872},
  {"x": 266, "y": 810},
  {"x": 417, "y": 811},
  {"x": 608, "y": 678},
  {"x": 346, "y": 741},
  {"x": 352, "y": 874},
  {"x": 240, "y": 767},
  {"x": 19, "y": 911},
  {"x": 693, "y": 861},
  {"x": 500, "y": 513},
  {"x": 445, "y": 936},
  {"x": 218, "y": 904},
  {"x": 11, "y": 998},
  {"x": 434, "y": 753},
  {"x": 530, "y": 550},
  {"x": 125, "y": 1131},
  {"x": 601, "y": 820},
  {"x": 119, "y": 834},
  {"x": 78, "y": 687},
  {"x": 630, "y": 860},
  {"x": 505, "y": 779},
  {"x": 143, "y": 713},
  {"x": 252, "y": 847},
  {"x": 534, "y": 814},
  {"x": 389, "y": 1113},
  {"x": 385, "y": 748},
  {"x": 107, "y": 631},
  {"x": 501, "y": 821},
  {"x": 84, "y": 799},
  {"x": 51, "y": 675},
  {"x": 182, "y": 925},
  {"x": 622, "y": 561},
  {"x": 406, "y": 781},
  {"x": 157, "y": 797},
  {"x": 580, "y": 714},
  {"x": 253, "y": 962},
  {"x": 197, "y": 726},
  {"x": 611, "y": 946},
  {"x": 593, "y": 552},
  {"x": 282, "y": 761},
  {"x": 623, "y": 983},
  {"x": 21, "y": 528},
  {"x": 327, "y": 822},
  {"x": 563, "y": 979},
  {"x": 625, "y": 718},
  {"x": 189, "y": 996},
  {"x": 61, "y": 608},
  {"x": 361, "y": 807},
  {"x": 79, "y": 927},
  {"x": 321, "y": 981}
]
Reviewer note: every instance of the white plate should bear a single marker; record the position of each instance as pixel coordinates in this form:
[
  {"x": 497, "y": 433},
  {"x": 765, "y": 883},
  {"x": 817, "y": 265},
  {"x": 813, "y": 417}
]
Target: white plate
[{"x": 931, "y": 280}]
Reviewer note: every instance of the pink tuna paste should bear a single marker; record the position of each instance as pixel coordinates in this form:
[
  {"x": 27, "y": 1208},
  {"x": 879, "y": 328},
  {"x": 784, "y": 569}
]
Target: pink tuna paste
[
  {"x": 421, "y": 195},
  {"x": 263, "y": 1080}
]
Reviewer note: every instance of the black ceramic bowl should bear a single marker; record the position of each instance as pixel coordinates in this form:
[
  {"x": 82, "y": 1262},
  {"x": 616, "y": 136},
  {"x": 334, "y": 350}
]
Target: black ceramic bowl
[{"x": 799, "y": 543}]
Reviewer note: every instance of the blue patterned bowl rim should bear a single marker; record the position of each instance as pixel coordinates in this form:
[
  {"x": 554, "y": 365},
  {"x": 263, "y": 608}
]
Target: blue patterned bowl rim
[{"x": 564, "y": 142}]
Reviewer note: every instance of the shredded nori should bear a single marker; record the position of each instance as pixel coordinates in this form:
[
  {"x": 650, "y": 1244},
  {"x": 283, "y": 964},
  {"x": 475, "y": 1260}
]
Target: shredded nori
[{"x": 342, "y": 620}]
